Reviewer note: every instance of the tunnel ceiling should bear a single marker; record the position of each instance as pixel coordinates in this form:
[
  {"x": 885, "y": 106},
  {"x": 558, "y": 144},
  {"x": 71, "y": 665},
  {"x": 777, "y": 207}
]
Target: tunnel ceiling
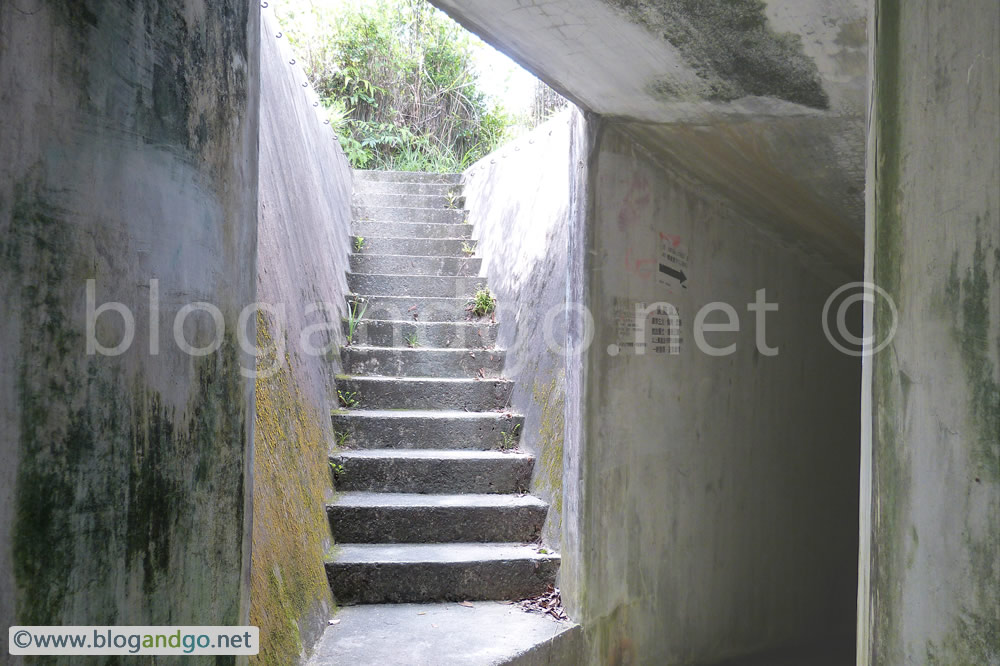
[{"x": 763, "y": 100}]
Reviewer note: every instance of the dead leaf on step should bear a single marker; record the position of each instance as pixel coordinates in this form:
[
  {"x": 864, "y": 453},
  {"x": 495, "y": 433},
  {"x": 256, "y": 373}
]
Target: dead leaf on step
[
  {"x": 422, "y": 613},
  {"x": 467, "y": 604},
  {"x": 333, "y": 622}
]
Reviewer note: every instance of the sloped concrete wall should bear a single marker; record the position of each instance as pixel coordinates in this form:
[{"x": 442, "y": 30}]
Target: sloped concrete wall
[
  {"x": 129, "y": 144},
  {"x": 719, "y": 498},
  {"x": 930, "y": 561},
  {"x": 305, "y": 195},
  {"x": 521, "y": 199}
]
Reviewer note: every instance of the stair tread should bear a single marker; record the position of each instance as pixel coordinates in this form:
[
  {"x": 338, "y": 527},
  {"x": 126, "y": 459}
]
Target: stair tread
[
  {"x": 457, "y": 351},
  {"x": 434, "y": 454},
  {"x": 428, "y": 380},
  {"x": 472, "y": 500},
  {"x": 443, "y": 414},
  {"x": 411, "y": 553}
]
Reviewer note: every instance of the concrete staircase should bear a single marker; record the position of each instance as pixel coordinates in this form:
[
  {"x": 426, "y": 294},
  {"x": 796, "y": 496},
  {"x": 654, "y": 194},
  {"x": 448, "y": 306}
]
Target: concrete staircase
[{"x": 430, "y": 508}]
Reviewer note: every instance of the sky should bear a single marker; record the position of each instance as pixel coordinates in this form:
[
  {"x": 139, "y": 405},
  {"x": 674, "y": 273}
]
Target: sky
[{"x": 504, "y": 79}]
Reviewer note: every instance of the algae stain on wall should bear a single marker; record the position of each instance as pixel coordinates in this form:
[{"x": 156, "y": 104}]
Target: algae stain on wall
[
  {"x": 290, "y": 529},
  {"x": 114, "y": 494},
  {"x": 551, "y": 400}
]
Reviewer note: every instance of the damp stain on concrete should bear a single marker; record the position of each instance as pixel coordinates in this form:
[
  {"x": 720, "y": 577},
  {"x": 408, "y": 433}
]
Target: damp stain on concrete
[{"x": 732, "y": 48}]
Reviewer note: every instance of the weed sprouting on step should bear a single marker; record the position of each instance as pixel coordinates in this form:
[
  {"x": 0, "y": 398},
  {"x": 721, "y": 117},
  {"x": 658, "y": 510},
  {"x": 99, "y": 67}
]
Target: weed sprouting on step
[
  {"x": 483, "y": 302},
  {"x": 359, "y": 243},
  {"x": 349, "y": 399},
  {"x": 411, "y": 341},
  {"x": 338, "y": 471},
  {"x": 342, "y": 438},
  {"x": 508, "y": 440},
  {"x": 356, "y": 311},
  {"x": 467, "y": 249},
  {"x": 454, "y": 200}
]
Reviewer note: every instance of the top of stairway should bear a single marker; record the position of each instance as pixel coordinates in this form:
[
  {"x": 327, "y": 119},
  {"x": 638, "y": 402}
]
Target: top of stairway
[{"x": 407, "y": 176}]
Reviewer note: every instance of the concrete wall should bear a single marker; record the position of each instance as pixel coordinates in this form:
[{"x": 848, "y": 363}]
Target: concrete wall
[
  {"x": 719, "y": 492},
  {"x": 930, "y": 560},
  {"x": 304, "y": 212},
  {"x": 129, "y": 143},
  {"x": 521, "y": 199}
]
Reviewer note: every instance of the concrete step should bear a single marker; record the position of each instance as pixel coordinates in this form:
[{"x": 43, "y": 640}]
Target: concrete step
[
  {"x": 433, "y": 471},
  {"x": 426, "y": 429},
  {"x": 417, "y": 247},
  {"x": 363, "y": 517},
  {"x": 369, "y": 228},
  {"x": 406, "y": 176},
  {"x": 447, "y": 286},
  {"x": 408, "y": 265},
  {"x": 422, "y": 362},
  {"x": 404, "y": 214},
  {"x": 417, "y": 308},
  {"x": 407, "y": 200},
  {"x": 364, "y": 186},
  {"x": 432, "y": 634},
  {"x": 386, "y": 333},
  {"x": 406, "y": 573},
  {"x": 474, "y": 395}
]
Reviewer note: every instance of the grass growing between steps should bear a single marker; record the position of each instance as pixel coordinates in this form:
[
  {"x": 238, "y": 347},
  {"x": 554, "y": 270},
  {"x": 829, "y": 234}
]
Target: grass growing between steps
[{"x": 289, "y": 593}]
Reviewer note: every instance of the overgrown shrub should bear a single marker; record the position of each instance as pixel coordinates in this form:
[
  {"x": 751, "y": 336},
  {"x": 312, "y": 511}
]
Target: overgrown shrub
[{"x": 398, "y": 82}]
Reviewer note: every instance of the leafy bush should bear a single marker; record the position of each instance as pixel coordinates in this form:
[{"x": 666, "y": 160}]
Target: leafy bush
[{"x": 397, "y": 80}]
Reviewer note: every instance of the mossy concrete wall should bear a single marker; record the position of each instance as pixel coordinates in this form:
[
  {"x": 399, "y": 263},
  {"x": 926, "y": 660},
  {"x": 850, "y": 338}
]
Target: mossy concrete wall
[
  {"x": 719, "y": 509},
  {"x": 521, "y": 199},
  {"x": 305, "y": 189},
  {"x": 129, "y": 153},
  {"x": 930, "y": 558}
]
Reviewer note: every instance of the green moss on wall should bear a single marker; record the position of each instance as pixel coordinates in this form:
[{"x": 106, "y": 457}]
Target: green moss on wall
[
  {"x": 290, "y": 528},
  {"x": 551, "y": 400}
]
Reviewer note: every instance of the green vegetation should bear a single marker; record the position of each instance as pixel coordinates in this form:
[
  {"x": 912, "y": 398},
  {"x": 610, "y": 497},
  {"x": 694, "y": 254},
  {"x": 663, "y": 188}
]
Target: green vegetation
[
  {"x": 342, "y": 438},
  {"x": 468, "y": 249},
  {"x": 411, "y": 340},
  {"x": 398, "y": 83},
  {"x": 483, "y": 302},
  {"x": 349, "y": 399},
  {"x": 356, "y": 310},
  {"x": 508, "y": 440},
  {"x": 359, "y": 243}
]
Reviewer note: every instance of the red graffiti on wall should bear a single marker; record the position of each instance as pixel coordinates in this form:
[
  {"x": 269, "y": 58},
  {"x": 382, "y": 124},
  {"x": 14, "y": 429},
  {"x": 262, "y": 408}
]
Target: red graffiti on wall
[{"x": 636, "y": 200}]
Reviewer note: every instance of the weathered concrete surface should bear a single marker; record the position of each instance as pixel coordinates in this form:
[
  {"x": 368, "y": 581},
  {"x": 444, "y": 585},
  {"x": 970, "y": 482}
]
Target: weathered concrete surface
[
  {"x": 427, "y": 393},
  {"x": 520, "y": 200},
  {"x": 422, "y": 362},
  {"x": 761, "y": 99},
  {"x": 425, "y": 429},
  {"x": 930, "y": 559},
  {"x": 129, "y": 144},
  {"x": 719, "y": 492},
  {"x": 488, "y": 634},
  {"x": 433, "y": 471},
  {"x": 304, "y": 213},
  {"x": 366, "y": 517},
  {"x": 424, "y": 572}
]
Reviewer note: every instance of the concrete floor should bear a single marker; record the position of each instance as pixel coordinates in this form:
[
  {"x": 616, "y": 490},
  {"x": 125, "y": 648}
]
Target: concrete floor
[{"x": 488, "y": 633}]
